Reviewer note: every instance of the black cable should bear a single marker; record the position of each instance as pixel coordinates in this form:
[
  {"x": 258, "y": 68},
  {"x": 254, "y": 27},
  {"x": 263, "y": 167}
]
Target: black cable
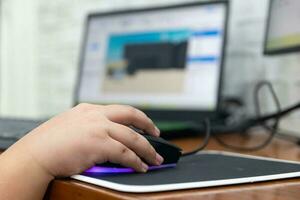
[
  {"x": 258, "y": 88},
  {"x": 260, "y": 121},
  {"x": 245, "y": 126},
  {"x": 273, "y": 129},
  {"x": 206, "y": 123}
]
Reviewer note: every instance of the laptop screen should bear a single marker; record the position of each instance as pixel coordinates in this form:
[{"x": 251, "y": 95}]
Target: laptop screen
[{"x": 165, "y": 58}]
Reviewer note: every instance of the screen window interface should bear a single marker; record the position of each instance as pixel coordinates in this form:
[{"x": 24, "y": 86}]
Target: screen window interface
[{"x": 165, "y": 59}]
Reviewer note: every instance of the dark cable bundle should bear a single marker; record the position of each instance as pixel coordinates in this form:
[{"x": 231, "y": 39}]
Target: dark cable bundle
[
  {"x": 259, "y": 121},
  {"x": 269, "y": 122}
]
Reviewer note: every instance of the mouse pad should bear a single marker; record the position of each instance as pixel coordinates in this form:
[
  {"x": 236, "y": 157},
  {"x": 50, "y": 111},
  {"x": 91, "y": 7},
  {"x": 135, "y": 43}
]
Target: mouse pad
[{"x": 206, "y": 169}]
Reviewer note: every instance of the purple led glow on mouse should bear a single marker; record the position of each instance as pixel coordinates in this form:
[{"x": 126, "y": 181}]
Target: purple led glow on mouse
[{"x": 114, "y": 170}]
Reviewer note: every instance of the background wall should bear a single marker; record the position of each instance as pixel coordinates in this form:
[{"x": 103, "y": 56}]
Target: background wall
[
  {"x": 18, "y": 61},
  {"x": 40, "y": 44}
]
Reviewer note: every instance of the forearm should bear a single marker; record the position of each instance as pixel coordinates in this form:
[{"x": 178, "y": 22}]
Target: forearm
[{"x": 21, "y": 178}]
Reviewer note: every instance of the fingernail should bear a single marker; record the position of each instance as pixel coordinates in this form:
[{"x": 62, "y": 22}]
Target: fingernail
[
  {"x": 157, "y": 131},
  {"x": 159, "y": 159},
  {"x": 144, "y": 167}
]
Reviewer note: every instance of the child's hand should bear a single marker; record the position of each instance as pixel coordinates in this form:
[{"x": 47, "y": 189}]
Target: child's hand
[{"x": 88, "y": 134}]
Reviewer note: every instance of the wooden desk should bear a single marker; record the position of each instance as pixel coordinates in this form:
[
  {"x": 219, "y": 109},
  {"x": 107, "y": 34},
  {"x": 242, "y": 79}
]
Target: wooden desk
[{"x": 273, "y": 190}]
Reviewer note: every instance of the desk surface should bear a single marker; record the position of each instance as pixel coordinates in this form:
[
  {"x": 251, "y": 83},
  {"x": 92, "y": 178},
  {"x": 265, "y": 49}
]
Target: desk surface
[{"x": 283, "y": 189}]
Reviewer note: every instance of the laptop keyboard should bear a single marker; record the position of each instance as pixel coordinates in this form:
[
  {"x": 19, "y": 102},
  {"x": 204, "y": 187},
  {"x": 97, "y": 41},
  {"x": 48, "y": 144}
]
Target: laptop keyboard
[{"x": 16, "y": 128}]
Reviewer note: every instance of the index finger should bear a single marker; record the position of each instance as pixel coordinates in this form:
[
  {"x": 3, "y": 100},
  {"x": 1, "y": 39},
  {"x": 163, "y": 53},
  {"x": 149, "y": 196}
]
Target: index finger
[{"x": 128, "y": 116}]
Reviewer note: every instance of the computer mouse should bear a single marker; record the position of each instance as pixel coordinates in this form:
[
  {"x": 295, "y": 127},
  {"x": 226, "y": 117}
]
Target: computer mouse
[{"x": 170, "y": 152}]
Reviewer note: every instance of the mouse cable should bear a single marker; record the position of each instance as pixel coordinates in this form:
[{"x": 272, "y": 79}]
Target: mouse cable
[{"x": 206, "y": 123}]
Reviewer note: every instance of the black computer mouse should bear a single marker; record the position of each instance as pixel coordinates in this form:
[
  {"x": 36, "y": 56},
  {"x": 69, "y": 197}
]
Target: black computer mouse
[{"x": 170, "y": 152}]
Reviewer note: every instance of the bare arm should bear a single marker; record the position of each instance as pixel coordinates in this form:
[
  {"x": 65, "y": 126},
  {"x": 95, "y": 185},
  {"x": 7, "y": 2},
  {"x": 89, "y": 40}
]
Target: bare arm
[
  {"x": 73, "y": 142},
  {"x": 21, "y": 177}
]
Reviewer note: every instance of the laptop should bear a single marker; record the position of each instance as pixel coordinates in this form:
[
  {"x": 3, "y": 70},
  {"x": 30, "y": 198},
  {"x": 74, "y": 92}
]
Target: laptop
[{"x": 166, "y": 61}]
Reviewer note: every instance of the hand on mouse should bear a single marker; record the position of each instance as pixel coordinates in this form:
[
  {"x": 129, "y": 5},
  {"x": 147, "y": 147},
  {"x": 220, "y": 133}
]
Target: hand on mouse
[{"x": 88, "y": 134}]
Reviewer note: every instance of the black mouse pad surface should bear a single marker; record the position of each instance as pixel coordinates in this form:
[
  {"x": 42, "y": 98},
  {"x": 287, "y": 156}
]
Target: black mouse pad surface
[{"x": 202, "y": 170}]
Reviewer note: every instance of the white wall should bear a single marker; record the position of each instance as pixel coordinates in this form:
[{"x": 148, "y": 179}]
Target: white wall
[
  {"x": 18, "y": 75},
  {"x": 42, "y": 41}
]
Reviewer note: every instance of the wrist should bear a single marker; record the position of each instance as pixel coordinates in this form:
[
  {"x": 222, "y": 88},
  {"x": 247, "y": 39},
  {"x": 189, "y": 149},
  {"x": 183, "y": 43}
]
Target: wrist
[
  {"x": 18, "y": 161},
  {"x": 22, "y": 177}
]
